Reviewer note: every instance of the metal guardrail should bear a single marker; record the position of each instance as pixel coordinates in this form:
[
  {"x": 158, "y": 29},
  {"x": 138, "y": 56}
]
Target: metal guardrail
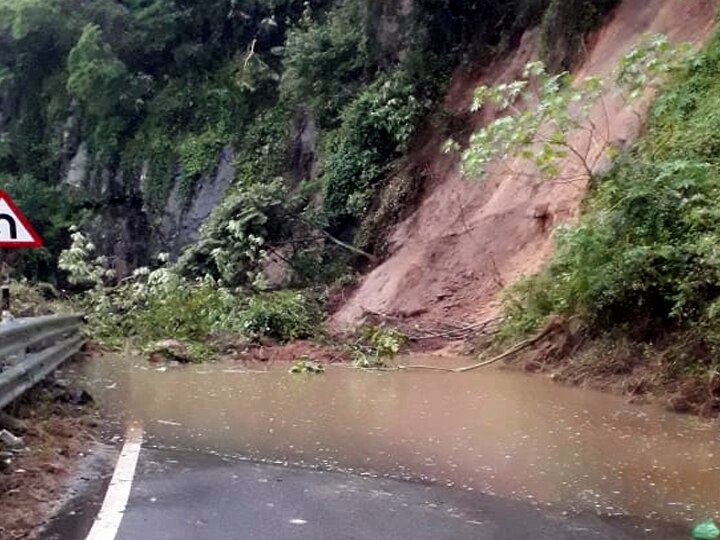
[{"x": 31, "y": 349}]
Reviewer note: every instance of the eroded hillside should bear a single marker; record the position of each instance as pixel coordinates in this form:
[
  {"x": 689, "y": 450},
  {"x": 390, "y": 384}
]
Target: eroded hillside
[{"x": 469, "y": 238}]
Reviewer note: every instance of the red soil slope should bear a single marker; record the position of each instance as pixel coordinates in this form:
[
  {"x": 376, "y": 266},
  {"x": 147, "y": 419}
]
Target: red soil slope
[{"x": 467, "y": 239}]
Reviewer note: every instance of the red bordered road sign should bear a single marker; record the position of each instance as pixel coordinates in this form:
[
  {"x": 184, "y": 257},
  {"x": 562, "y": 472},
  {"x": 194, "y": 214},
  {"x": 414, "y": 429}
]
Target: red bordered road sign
[{"x": 15, "y": 230}]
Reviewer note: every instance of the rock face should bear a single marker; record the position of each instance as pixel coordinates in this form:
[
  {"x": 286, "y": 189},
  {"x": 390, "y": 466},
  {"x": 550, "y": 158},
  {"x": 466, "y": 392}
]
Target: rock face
[
  {"x": 183, "y": 216},
  {"x": 121, "y": 230},
  {"x": 303, "y": 152},
  {"x": 78, "y": 168},
  {"x": 122, "y": 226}
]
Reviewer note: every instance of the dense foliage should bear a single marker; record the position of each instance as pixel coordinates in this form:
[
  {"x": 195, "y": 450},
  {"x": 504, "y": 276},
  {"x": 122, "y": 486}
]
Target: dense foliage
[{"x": 157, "y": 304}]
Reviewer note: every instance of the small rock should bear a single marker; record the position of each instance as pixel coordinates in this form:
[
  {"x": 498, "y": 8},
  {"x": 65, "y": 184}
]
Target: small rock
[
  {"x": 169, "y": 350},
  {"x": 10, "y": 441},
  {"x": 78, "y": 396}
]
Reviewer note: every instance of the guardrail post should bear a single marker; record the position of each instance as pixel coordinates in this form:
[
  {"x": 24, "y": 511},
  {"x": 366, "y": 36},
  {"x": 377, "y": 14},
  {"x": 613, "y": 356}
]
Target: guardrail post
[
  {"x": 5, "y": 298},
  {"x": 5, "y": 270},
  {"x": 5, "y": 314}
]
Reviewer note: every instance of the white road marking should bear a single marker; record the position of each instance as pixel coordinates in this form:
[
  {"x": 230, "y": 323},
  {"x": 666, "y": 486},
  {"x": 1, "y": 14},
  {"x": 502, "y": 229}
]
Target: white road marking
[{"x": 108, "y": 521}]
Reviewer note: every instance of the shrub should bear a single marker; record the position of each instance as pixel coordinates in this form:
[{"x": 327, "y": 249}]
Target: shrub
[
  {"x": 150, "y": 305},
  {"x": 283, "y": 316},
  {"x": 232, "y": 247},
  {"x": 377, "y": 128},
  {"x": 377, "y": 347},
  {"x": 184, "y": 311},
  {"x": 305, "y": 364}
]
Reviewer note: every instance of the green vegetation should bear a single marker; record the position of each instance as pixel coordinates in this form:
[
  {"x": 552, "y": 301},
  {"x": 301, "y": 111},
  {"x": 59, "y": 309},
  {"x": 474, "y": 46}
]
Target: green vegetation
[
  {"x": 160, "y": 304},
  {"x": 306, "y": 365},
  {"x": 644, "y": 256},
  {"x": 325, "y": 62},
  {"x": 283, "y": 316},
  {"x": 377, "y": 347},
  {"x": 34, "y": 300},
  {"x": 546, "y": 121}
]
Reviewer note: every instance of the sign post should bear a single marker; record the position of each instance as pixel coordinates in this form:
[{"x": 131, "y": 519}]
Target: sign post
[{"x": 15, "y": 232}]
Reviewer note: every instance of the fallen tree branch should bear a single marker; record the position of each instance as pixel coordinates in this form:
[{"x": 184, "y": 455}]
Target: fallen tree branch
[
  {"x": 357, "y": 251},
  {"x": 250, "y": 54},
  {"x": 369, "y": 256},
  {"x": 427, "y": 368},
  {"x": 456, "y": 333},
  {"x": 440, "y": 330},
  {"x": 510, "y": 352}
]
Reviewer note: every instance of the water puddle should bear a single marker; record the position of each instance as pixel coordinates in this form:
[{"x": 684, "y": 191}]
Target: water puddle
[{"x": 490, "y": 431}]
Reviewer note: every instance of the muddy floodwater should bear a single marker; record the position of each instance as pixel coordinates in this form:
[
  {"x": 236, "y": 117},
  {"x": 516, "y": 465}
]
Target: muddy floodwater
[{"x": 490, "y": 431}]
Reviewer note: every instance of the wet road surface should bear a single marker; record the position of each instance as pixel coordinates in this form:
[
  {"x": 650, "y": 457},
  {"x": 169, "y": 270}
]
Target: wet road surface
[{"x": 189, "y": 496}]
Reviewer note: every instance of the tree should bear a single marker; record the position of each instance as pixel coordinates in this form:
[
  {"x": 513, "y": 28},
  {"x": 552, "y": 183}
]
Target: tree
[
  {"x": 95, "y": 75},
  {"x": 36, "y": 35},
  {"x": 43, "y": 20},
  {"x": 323, "y": 62},
  {"x": 546, "y": 119}
]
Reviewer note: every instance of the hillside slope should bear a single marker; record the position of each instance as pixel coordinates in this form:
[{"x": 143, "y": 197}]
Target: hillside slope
[{"x": 468, "y": 239}]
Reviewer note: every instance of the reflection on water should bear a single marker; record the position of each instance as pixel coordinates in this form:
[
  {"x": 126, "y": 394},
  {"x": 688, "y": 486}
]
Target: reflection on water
[{"x": 492, "y": 431}]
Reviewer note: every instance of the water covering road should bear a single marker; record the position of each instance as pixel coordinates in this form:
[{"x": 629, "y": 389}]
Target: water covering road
[{"x": 490, "y": 432}]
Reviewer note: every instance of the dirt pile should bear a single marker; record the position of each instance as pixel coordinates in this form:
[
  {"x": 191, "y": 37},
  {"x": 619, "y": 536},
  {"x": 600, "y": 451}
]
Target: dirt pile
[{"x": 469, "y": 239}]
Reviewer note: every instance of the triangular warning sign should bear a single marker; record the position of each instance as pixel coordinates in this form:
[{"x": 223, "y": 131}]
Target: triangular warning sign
[{"x": 15, "y": 230}]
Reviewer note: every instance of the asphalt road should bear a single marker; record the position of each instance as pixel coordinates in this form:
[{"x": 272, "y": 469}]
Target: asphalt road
[{"x": 189, "y": 496}]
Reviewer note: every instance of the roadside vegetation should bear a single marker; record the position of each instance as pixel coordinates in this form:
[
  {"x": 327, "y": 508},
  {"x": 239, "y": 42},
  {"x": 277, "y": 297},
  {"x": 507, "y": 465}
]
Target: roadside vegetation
[{"x": 158, "y": 304}]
